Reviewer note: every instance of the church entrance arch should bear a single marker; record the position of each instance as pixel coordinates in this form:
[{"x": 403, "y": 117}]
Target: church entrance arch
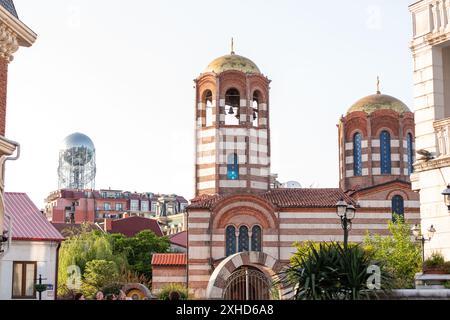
[
  {"x": 248, "y": 283},
  {"x": 247, "y": 275}
]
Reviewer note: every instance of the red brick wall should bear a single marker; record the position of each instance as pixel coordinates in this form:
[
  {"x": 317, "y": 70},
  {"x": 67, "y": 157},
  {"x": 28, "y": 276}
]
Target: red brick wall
[
  {"x": 3, "y": 91},
  {"x": 164, "y": 275}
]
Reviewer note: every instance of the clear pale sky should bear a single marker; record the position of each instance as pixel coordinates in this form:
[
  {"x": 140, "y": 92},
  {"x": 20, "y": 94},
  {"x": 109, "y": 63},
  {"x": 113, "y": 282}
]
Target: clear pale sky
[{"x": 122, "y": 72}]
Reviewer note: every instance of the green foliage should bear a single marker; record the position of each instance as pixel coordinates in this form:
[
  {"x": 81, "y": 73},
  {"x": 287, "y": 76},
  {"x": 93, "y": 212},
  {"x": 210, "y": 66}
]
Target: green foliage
[
  {"x": 327, "y": 271},
  {"x": 435, "y": 260},
  {"x": 173, "y": 287},
  {"x": 98, "y": 274},
  {"x": 400, "y": 255},
  {"x": 129, "y": 257},
  {"x": 447, "y": 284},
  {"x": 139, "y": 250}
]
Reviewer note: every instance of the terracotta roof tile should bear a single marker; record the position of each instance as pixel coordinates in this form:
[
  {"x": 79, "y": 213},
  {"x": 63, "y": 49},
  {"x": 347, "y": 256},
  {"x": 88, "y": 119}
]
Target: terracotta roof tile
[
  {"x": 169, "y": 259},
  {"x": 287, "y": 198},
  {"x": 28, "y": 223}
]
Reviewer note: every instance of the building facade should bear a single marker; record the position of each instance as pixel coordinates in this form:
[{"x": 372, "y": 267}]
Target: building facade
[
  {"x": 431, "y": 56},
  {"x": 31, "y": 251},
  {"x": 78, "y": 206},
  {"x": 14, "y": 34},
  {"x": 243, "y": 226}
]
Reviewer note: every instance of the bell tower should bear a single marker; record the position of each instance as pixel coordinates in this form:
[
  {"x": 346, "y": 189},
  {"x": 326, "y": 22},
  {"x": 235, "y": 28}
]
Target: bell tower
[{"x": 232, "y": 130}]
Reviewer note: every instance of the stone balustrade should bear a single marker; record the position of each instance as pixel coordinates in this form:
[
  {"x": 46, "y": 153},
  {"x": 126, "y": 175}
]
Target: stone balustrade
[{"x": 432, "y": 16}]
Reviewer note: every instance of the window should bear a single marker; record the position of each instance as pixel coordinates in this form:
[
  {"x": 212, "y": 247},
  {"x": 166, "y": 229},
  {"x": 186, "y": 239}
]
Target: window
[
  {"x": 385, "y": 150},
  {"x": 357, "y": 154},
  {"x": 207, "y": 102},
  {"x": 144, "y": 205},
  {"x": 154, "y": 206},
  {"x": 256, "y": 238},
  {"x": 230, "y": 240},
  {"x": 255, "y": 109},
  {"x": 24, "y": 279},
  {"x": 232, "y": 107},
  {"x": 243, "y": 239},
  {"x": 398, "y": 207},
  {"x": 106, "y": 206},
  {"x": 134, "y": 205},
  {"x": 410, "y": 151},
  {"x": 119, "y": 207},
  {"x": 232, "y": 167}
]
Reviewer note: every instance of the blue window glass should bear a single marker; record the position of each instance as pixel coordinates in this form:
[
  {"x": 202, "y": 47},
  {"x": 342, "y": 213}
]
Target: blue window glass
[
  {"x": 410, "y": 153},
  {"x": 232, "y": 167},
  {"x": 357, "y": 155},
  {"x": 385, "y": 150},
  {"x": 398, "y": 207},
  {"x": 243, "y": 239},
  {"x": 256, "y": 238},
  {"x": 230, "y": 240}
]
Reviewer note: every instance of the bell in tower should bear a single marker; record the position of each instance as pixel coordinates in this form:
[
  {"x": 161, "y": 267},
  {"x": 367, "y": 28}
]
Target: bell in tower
[{"x": 232, "y": 132}]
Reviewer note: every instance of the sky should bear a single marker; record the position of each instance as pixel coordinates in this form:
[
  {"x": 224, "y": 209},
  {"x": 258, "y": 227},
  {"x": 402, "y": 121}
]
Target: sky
[{"x": 122, "y": 73}]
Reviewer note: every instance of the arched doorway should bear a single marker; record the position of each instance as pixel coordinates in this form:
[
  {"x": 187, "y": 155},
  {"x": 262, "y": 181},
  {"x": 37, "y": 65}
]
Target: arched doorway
[
  {"x": 248, "y": 283},
  {"x": 223, "y": 275}
]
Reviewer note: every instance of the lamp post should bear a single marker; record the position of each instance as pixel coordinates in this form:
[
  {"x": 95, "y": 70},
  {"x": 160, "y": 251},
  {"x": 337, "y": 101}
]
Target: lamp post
[
  {"x": 446, "y": 194},
  {"x": 420, "y": 237},
  {"x": 346, "y": 213}
]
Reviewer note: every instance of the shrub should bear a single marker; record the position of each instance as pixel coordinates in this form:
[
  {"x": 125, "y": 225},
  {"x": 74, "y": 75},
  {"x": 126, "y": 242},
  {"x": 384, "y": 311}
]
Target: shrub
[
  {"x": 98, "y": 274},
  {"x": 398, "y": 253},
  {"x": 327, "y": 271},
  {"x": 435, "y": 260},
  {"x": 166, "y": 291}
]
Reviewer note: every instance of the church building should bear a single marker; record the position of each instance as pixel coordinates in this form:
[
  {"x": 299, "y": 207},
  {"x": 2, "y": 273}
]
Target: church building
[{"x": 241, "y": 229}]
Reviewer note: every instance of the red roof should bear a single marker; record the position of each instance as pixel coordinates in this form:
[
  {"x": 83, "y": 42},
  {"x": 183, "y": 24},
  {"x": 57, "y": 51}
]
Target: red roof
[
  {"x": 169, "y": 259},
  {"x": 27, "y": 222},
  {"x": 287, "y": 198},
  {"x": 179, "y": 239},
  {"x": 130, "y": 226}
]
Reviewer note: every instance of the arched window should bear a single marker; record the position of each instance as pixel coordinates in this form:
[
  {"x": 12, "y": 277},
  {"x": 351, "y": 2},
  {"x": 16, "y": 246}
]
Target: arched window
[
  {"x": 243, "y": 239},
  {"x": 357, "y": 154},
  {"x": 385, "y": 152},
  {"x": 230, "y": 241},
  {"x": 232, "y": 167},
  {"x": 255, "y": 108},
  {"x": 232, "y": 107},
  {"x": 256, "y": 238},
  {"x": 398, "y": 207},
  {"x": 207, "y": 102},
  {"x": 410, "y": 151}
]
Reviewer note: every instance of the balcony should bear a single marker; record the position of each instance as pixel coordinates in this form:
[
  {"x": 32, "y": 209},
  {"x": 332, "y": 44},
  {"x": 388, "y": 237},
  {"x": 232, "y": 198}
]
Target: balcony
[{"x": 442, "y": 130}]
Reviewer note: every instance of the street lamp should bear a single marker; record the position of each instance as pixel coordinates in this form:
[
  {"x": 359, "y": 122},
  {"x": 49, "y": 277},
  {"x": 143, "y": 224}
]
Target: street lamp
[
  {"x": 419, "y": 237},
  {"x": 347, "y": 213},
  {"x": 446, "y": 194}
]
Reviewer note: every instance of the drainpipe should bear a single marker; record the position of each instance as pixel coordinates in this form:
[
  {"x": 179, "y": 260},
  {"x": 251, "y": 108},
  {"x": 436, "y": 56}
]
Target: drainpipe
[
  {"x": 187, "y": 250},
  {"x": 279, "y": 237},
  {"x": 10, "y": 158},
  {"x": 56, "y": 271}
]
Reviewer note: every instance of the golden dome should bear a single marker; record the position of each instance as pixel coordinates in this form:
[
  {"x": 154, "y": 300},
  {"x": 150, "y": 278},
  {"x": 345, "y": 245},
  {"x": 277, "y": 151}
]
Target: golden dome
[
  {"x": 379, "y": 101},
  {"x": 232, "y": 62}
]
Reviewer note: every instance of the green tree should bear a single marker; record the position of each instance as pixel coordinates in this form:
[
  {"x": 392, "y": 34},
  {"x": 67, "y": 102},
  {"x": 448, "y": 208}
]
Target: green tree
[
  {"x": 139, "y": 250},
  {"x": 97, "y": 275},
  {"x": 399, "y": 253},
  {"x": 83, "y": 247}
]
